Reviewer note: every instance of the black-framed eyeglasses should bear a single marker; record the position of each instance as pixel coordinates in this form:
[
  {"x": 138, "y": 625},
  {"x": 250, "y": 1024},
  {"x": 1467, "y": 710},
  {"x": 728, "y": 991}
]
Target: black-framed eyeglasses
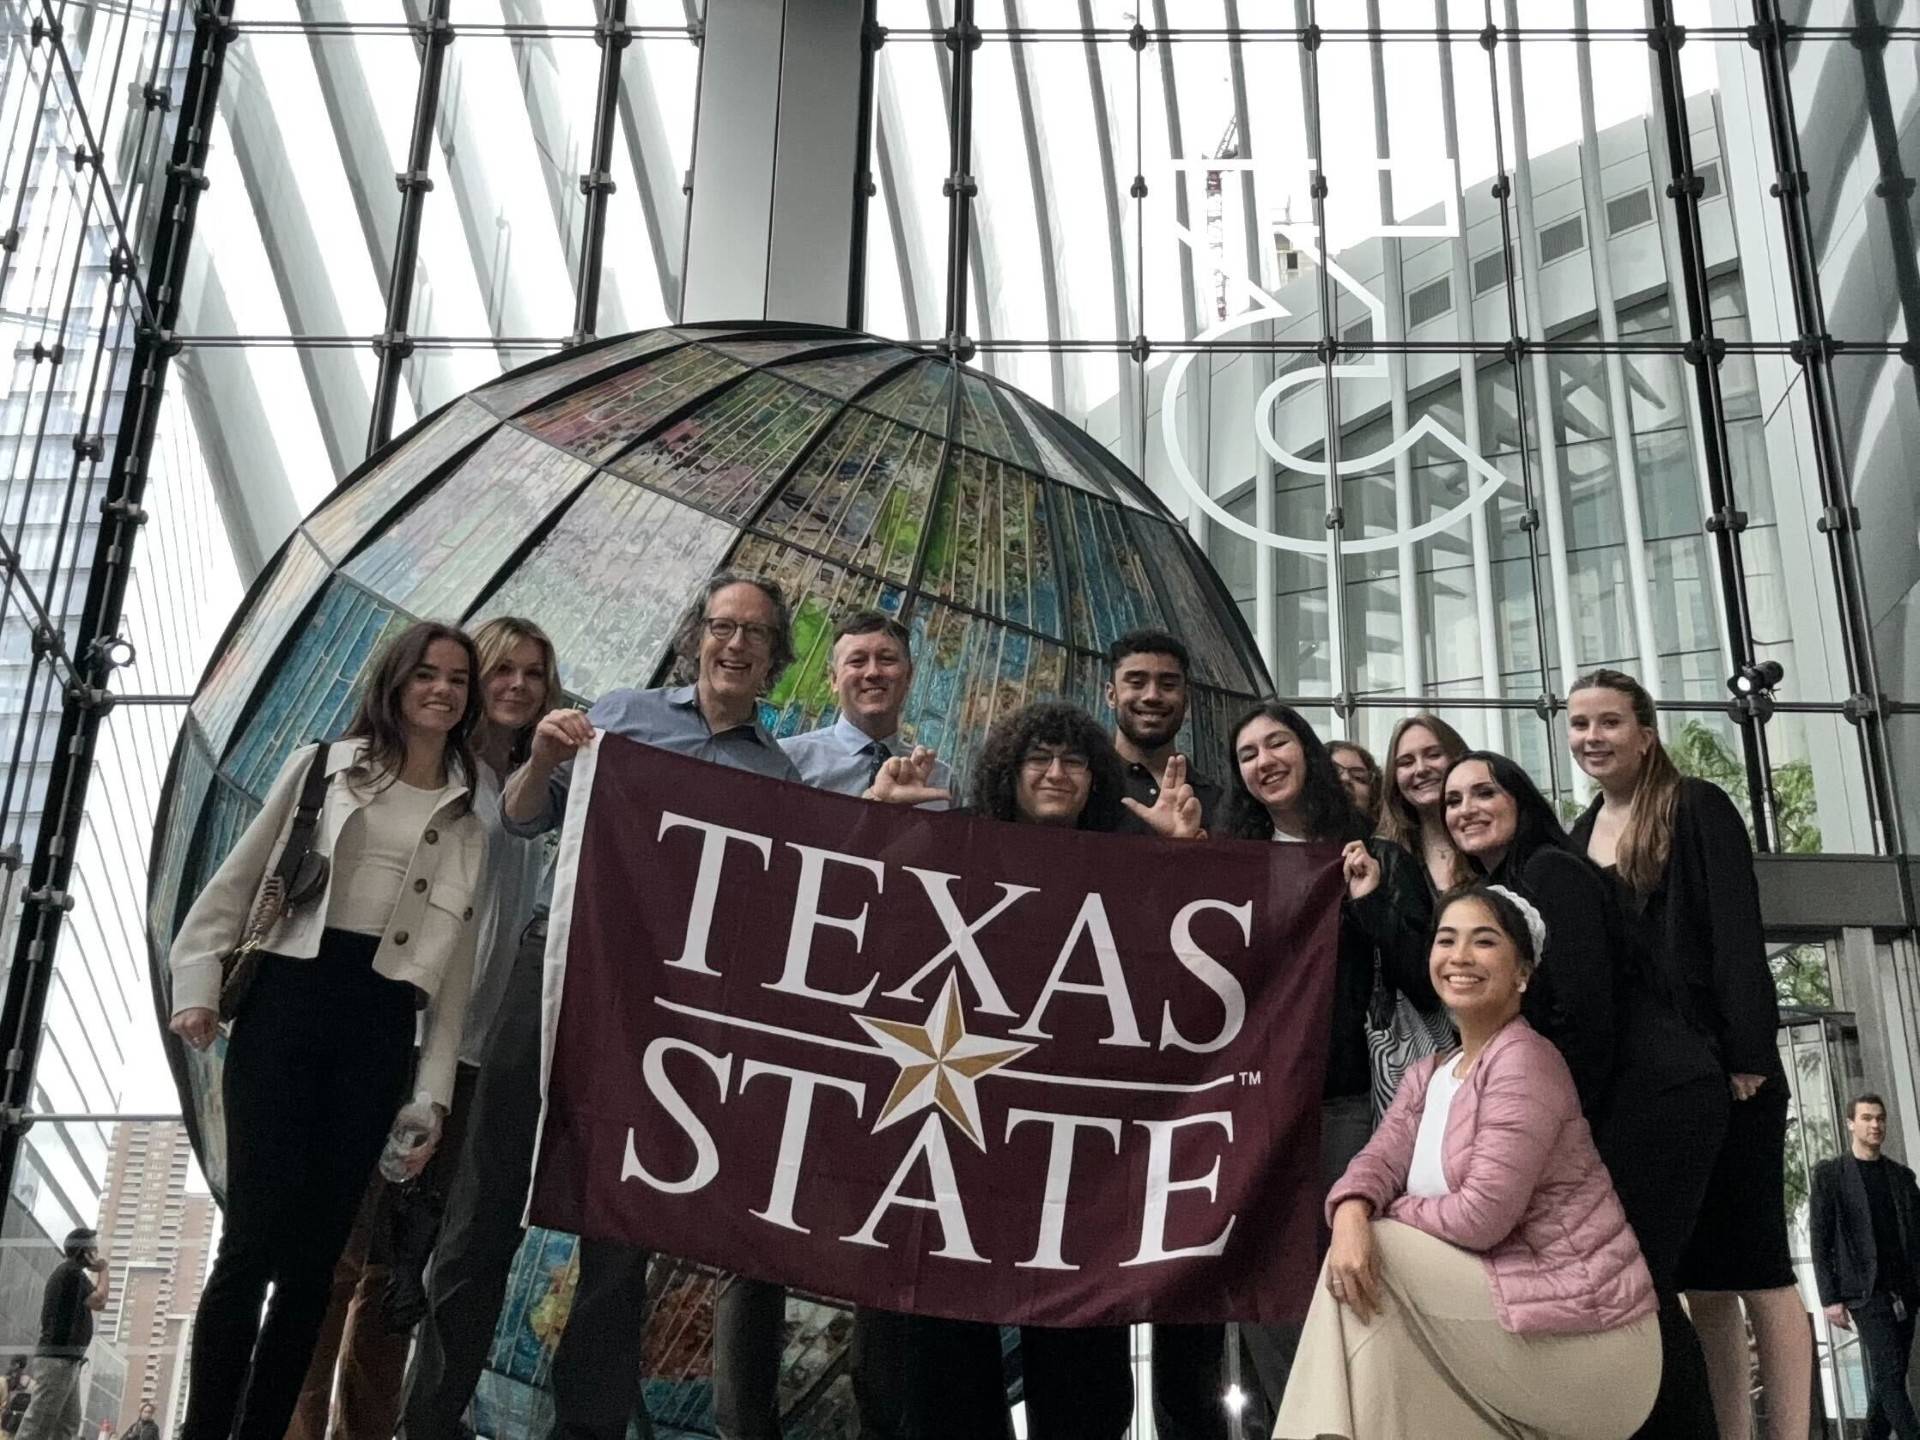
[
  {"x": 1040, "y": 761},
  {"x": 723, "y": 630}
]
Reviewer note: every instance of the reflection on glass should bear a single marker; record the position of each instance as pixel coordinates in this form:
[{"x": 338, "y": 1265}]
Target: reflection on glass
[
  {"x": 608, "y": 581},
  {"x": 991, "y": 549},
  {"x": 725, "y": 456},
  {"x": 439, "y": 556}
]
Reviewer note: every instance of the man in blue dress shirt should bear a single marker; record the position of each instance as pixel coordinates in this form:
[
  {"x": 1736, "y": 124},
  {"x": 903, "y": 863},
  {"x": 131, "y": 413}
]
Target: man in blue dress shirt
[
  {"x": 737, "y": 636},
  {"x": 871, "y": 669}
]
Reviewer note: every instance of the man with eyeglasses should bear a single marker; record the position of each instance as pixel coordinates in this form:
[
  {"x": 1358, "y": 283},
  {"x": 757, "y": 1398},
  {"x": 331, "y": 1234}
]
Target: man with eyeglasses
[{"x": 735, "y": 637}]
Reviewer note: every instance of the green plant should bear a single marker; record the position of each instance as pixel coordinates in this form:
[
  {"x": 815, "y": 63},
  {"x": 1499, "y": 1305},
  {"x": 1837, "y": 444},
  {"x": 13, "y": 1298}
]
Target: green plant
[{"x": 1699, "y": 751}]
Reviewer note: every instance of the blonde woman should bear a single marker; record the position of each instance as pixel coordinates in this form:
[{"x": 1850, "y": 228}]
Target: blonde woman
[{"x": 1411, "y": 815}]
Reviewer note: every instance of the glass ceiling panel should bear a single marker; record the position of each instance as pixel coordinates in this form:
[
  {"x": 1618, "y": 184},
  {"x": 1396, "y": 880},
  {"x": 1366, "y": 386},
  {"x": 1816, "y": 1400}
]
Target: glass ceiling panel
[
  {"x": 439, "y": 569},
  {"x": 906, "y": 291},
  {"x": 511, "y": 396},
  {"x": 652, "y": 151},
  {"x": 846, "y": 375},
  {"x": 918, "y": 396},
  {"x": 602, "y": 420},
  {"x": 293, "y": 235},
  {"x": 986, "y": 423},
  {"x": 609, "y": 580},
  {"x": 991, "y": 549},
  {"x": 514, "y": 128},
  {"x": 311, "y": 694}
]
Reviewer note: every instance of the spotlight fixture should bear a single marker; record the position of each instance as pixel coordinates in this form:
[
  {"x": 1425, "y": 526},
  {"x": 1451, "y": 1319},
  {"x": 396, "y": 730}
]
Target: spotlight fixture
[{"x": 1756, "y": 679}]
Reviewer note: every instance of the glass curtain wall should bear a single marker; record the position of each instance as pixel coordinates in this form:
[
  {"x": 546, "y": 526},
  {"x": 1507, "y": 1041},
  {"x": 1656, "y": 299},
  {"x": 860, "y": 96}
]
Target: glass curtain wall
[{"x": 1469, "y": 336}]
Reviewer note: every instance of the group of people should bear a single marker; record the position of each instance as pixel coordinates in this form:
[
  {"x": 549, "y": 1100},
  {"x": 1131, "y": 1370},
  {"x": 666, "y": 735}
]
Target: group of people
[{"x": 1552, "y": 1104}]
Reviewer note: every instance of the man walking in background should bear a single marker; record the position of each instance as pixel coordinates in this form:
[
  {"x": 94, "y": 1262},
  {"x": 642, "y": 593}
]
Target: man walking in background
[{"x": 1865, "y": 1224}]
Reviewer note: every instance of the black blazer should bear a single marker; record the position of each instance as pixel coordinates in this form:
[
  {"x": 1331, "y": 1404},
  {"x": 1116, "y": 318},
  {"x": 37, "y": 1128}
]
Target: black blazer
[
  {"x": 1844, "y": 1263},
  {"x": 1590, "y": 995},
  {"x": 1702, "y": 930}
]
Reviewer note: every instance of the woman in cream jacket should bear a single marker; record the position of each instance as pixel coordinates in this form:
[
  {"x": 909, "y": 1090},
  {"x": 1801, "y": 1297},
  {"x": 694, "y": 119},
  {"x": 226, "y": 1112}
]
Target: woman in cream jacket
[{"x": 321, "y": 1052}]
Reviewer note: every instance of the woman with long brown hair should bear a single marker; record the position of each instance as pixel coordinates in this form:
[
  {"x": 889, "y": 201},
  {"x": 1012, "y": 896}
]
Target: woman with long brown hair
[
  {"x": 1680, "y": 851},
  {"x": 357, "y": 1375},
  {"x": 1411, "y": 813},
  {"x": 321, "y": 1051}
]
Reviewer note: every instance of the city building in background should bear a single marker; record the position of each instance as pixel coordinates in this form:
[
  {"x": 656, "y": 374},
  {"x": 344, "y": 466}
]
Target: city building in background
[
  {"x": 1571, "y": 349},
  {"x": 157, "y": 1229}
]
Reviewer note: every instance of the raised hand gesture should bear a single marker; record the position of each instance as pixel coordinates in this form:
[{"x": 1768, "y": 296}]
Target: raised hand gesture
[
  {"x": 908, "y": 780},
  {"x": 1175, "y": 813}
]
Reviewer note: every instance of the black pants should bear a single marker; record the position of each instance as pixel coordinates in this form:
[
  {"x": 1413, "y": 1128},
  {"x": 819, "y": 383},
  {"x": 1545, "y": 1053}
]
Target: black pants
[
  {"x": 917, "y": 1377},
  {"x": 1189, "y": 1382},
  {"x": 1886, "y": 1344},
  {"x": 316, "y": 1067},
  {"x": 1346, "y": 1124},
  {"x": 596, "y": 1370},
  {"x": 1660, "y": 1150}
]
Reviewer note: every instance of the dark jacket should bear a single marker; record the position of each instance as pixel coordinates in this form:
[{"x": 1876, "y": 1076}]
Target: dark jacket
[
  {"x": 1591, "y": 995},
  {"x": 1392, "y": 923},
  {"x": 1702, "y": 929},
  {"x": 1841, "y": 1226}
]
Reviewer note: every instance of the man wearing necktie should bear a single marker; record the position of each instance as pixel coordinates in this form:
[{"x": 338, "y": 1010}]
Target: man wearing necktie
[{"x": 871, "y": 670}]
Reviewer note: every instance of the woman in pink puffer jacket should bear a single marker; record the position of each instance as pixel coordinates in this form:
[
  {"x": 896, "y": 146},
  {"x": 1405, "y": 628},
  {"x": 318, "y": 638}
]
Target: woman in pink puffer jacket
[{"x": 1482, "y": 1279}]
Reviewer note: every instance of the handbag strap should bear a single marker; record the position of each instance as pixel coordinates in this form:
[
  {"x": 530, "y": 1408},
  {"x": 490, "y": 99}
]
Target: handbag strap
[{"x": 306, "y": 818}]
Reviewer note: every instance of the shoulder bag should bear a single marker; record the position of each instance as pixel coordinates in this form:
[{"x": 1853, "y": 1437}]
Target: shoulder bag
[{"x": 298, "y": 877}]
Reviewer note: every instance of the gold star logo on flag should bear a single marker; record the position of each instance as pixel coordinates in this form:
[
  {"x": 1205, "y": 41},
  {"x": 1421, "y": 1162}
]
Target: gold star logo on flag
[{"x": 939, "y": 1063}]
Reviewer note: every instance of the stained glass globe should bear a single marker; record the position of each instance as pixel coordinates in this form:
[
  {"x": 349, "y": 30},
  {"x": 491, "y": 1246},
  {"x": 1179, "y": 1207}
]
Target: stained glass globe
[{"x": 591, "y": 493}]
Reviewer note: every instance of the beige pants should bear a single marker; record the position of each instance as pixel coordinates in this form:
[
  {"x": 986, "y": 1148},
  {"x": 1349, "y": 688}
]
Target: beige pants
[{"x": 1435, "y": 1364}]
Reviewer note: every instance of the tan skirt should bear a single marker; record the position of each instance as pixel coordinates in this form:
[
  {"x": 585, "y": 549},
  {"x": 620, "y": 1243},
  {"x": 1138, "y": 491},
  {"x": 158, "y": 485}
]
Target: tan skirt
[{"x": 1435, "y": 1364}]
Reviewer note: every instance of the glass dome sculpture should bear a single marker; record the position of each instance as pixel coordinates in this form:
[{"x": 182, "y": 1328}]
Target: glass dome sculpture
[{"x": 591, "y": 492}]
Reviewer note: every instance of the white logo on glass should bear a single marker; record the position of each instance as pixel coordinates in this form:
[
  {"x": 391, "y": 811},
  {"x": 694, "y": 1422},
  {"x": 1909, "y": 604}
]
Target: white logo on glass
[{"x": 1265, "y": 307}]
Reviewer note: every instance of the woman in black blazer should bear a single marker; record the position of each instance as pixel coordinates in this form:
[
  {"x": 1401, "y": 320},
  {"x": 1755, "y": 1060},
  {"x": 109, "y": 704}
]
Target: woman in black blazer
[
  {"x": 1680, "y": 851},
  {"x": 1648, "y": 1082}
]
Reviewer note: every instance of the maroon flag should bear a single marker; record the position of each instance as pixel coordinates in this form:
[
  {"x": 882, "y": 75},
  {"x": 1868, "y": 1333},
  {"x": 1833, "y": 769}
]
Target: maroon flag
[{"x": 930, "y": 1062}]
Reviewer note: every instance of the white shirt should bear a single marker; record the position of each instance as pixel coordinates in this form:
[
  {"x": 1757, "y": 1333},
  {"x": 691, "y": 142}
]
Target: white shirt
[
  {"x": 374, "y": 852},
  {"x": 1426, "y": 1176}
]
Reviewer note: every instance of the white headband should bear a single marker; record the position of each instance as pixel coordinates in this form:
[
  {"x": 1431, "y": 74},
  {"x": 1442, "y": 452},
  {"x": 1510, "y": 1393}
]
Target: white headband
[{"x": 1536, "y": 925}]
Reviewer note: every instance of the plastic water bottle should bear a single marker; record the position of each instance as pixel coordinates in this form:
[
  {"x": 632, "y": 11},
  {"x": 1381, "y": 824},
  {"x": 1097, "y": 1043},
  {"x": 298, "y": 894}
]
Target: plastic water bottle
[{"x": 411, "y": 1127}]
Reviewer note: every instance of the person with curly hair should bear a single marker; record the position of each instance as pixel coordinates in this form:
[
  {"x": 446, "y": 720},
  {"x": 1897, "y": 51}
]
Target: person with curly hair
[{"x": 1047, "y": 764}]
